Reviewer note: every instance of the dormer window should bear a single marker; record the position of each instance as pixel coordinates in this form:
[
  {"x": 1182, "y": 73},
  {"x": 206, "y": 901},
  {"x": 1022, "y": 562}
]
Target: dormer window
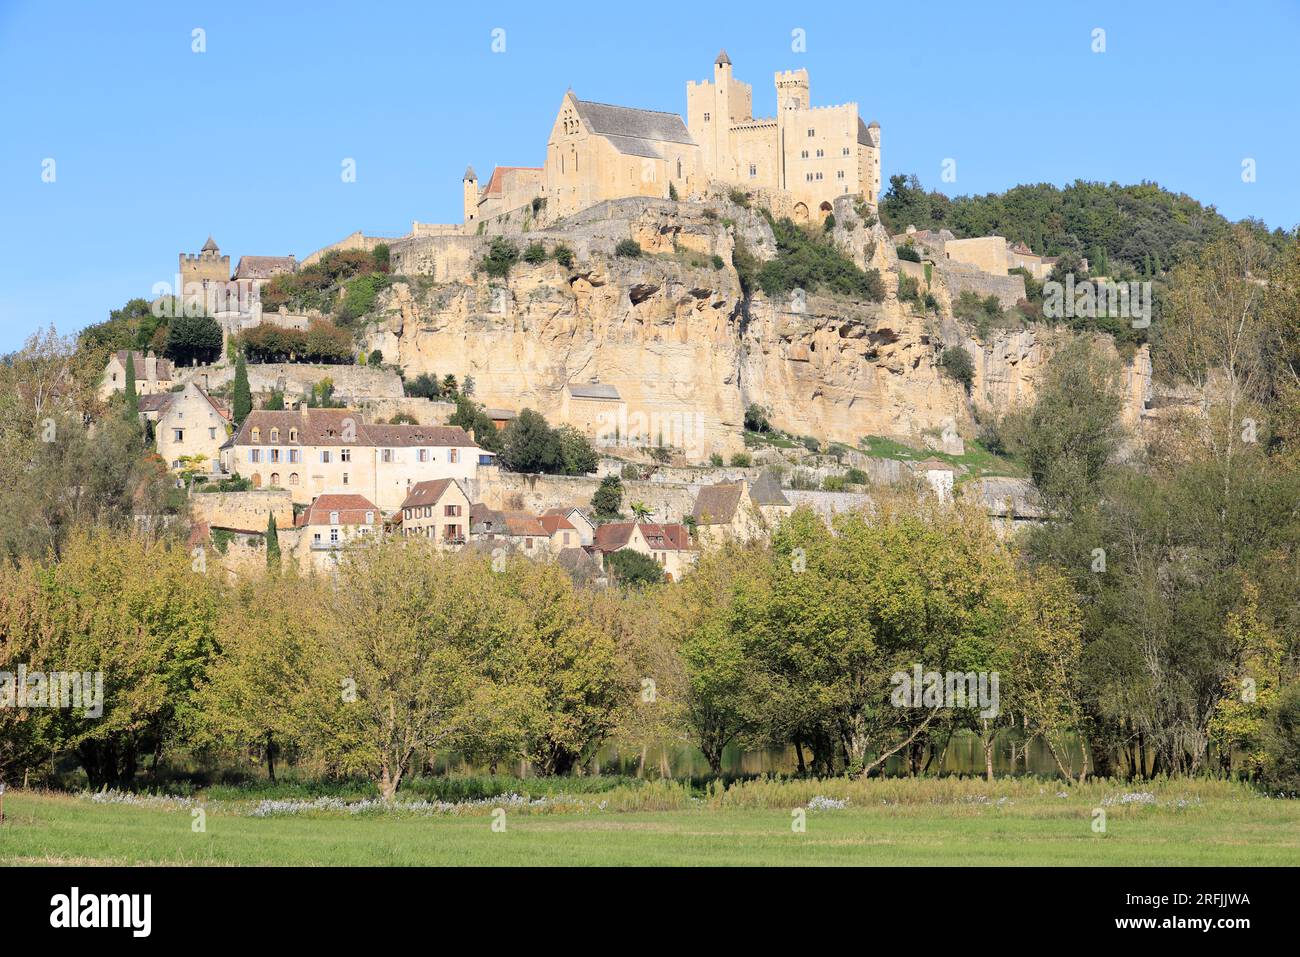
[
  {"x": 275, "y": 435},
  {"x": 257, "y": 434},
  {"x": 334, "y": 518},
  {"x": 293, "y": 435}
]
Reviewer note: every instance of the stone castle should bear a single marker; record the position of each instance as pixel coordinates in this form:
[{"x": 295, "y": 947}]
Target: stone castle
[{"x": 596, "y": 152}]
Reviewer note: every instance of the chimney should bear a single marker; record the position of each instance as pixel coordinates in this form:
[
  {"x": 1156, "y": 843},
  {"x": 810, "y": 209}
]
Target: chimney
[{"x": 151, "y": 367}]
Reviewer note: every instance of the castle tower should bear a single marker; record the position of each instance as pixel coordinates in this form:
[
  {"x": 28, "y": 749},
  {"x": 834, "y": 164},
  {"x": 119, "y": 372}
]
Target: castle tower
[
  {"x": 470, "y": 185},
  {"x": 792, "y": 98},
  {"x": 204, "y": 277},
  {"x": 713, "y": 107}
]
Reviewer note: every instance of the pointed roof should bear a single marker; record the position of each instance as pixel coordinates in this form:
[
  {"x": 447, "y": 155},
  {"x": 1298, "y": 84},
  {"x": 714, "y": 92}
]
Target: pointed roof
[
  {"x": 722, "y": 58},
  {"x": 766, "y": 490},
  {"x": 469, "y": 173},
  {"x": 211, "y": 245}
]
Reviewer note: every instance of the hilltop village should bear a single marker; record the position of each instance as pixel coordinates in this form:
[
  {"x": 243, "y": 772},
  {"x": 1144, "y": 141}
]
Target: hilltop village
[{"x": 636, "y": 294}]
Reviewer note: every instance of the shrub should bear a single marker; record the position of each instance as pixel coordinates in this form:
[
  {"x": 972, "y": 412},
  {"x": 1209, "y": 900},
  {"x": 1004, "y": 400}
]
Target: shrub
[
  {"x": 381, "y": 257},
  {"x": 375, "y": 359},
  {"x": 956, "y": 364},
  {"x": 739, "y": 197},
  {"x": 717, "y": 261},
  {"x": 629, "y": 248},
  {"x": 833, "y": 483},
  {"x": 756, "y": 418},
  {"x": 608, "y": 499},
  {"x": 535, "y": 254},
  {"x": 563, "y": 255},
  {"x": 501, "y": 255},
  {"x": 808, "y": 262},
  {"x": 908, "y": 251},
  {"x": 633, "y": 568},
  {"x": 909, "y": 289},
  {"x": 716, "y": 460},
  {"x": 423, "y": 386},
  {"x": 856, "y": 477},
  {"x": 828, "y": 223},
  {"x": 741, "y": 460}
]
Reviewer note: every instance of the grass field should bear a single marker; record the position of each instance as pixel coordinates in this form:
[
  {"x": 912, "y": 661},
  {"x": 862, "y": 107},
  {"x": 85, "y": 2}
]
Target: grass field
[{"x": 888, "y": 822}]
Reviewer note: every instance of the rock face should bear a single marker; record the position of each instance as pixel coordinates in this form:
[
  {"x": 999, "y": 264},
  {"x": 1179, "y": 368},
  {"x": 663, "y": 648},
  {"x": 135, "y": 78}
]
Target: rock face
[{"x": 678, "y": 339}]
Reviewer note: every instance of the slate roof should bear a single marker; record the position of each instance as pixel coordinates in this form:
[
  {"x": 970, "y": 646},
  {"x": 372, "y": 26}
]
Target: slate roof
[
  {"x": 717, "y": 504},
  {"x": 157, "y": 402},
  {"x": 633, "y": 131},
  {"x": 264, "y": 267},
  {"x": 593, "y": 390},
  {"x": 211, "y": 245},
  {"x": 326, "y": 427},
  {"x": 411, "y": 436},
  {"x": 164, "y": 365},
  {"x": 766, "y": 490}
]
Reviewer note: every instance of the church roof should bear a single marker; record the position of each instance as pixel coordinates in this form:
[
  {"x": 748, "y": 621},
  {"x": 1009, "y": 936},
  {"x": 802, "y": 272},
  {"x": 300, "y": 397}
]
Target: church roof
[{"x": 632, "y": 131}]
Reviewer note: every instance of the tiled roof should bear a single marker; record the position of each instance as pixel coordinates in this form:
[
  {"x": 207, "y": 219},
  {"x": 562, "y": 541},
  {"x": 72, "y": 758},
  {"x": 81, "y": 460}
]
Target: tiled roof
[
  {"x": 429, "y": 492},
  {"x": 612, "y": 536},
  {"x": 352, "y": 510},
  {"x": 496, "y": 183},
  {"x": 327, "y": 426},
  {"x": 521, "y": 523},
  {"x": 156, "y": 402},
  {"x": 553, "y": 523},
  {"x": 481, "y": 516},
  {"x": 592, "y": 390},
  {"x": 633, "y": 131},
  {"x": 264, "y": 267},
  {"x": 717, "y": 504}
]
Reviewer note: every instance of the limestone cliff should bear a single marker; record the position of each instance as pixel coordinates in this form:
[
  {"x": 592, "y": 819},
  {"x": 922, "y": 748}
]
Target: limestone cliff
[{"x": 673, "y": 332}]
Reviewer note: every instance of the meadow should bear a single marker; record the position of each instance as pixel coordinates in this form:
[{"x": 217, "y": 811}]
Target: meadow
[{"x": 949, "y": 821}]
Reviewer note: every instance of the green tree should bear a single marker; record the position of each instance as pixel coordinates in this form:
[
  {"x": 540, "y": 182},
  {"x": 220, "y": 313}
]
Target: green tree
[
  {"x": 577, "y": 456},
  {"x": 132, "y": 399},
  {"x": 956, "y": 364},
  {"x": 530, "y": 445},
  {"x": 607, "y": 501},
  {"x": 633, "y": 568},
  {"x": 193, "y": 339},
  {"x": 242, "y": 402},
  {"x": 272, "y": 544}
]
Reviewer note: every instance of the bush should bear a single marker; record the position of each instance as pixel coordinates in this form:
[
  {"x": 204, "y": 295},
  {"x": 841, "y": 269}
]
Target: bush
[
  {"x": 628, "y": 248},
  {"x": 856, "y": 477},
  {"x": 739, "y": 197},
  {"x": 535, "y": 254},
  {"x": 380, "y": 255},
  {"x": 716, "y": 460},
  {"x": 423, "y": 386},
  {"x": 741, "y": 460},
  {"x": 563, "y": 255},
  {"x": 956, "y": 364},
  {"x": 756, "y": 418},
  {"x": 908, "y": 252},
  {"x": 833, "y": 483},
  {"x": 718, "y": 262},
  {"x": 828, "y": 224},
  {"x": 501, "y": 255},
  {"x": 909, "y": 289},
  {"x": 633, "y": 568},
  {"x": 810, "y": 263},
  {"x": 607, "y": 501},
  {"x": 375, "y": 359}
]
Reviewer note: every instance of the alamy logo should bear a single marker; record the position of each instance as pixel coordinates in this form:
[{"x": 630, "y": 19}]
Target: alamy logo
[
  {"x": 1092, "y": 298},
  {"x": 103, "y": 910},
  {"x": 953, "y": 689},
  {"x": 53, "y": 689}
]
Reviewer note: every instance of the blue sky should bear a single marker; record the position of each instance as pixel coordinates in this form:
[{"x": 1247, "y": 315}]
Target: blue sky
[{"x": 156, "y": 146}]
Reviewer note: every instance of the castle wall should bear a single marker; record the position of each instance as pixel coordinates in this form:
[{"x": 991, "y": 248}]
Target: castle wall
[
  {"x": 988, "y": 253},
  {"x": 248, "y": 511}
]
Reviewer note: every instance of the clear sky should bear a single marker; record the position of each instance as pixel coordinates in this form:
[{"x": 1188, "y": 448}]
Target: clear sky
[{"x": 156, "y": 146}]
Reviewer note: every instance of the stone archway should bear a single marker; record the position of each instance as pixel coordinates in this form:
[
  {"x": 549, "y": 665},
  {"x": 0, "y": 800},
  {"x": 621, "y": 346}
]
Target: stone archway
[
  {"x": 825, "y": 207},
  {"x": 801, "y": 212}
]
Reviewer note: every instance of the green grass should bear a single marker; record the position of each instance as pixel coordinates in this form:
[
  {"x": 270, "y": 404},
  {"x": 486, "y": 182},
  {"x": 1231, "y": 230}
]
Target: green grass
[
  {"x": 977, "y": 460},
  {"x": 949, "y": 821}
]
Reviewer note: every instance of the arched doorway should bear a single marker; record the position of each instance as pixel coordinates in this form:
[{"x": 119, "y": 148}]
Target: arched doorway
[{"x": 801, "y": 212}]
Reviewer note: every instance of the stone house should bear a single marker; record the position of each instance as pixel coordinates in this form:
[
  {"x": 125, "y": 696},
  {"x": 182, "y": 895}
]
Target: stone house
[
  {"x": 668, "y": 544},
  {"x": 152, "y": 375},
  {"x": 578, "y": 519},
  {"x": 331, "y": 523},
  {"x": 317, "y": 451},
  {"x": 938, "y": 474},
  {"x": 191, "y": 424},
  {"x": 439, "y": 510},
  {"x": 738, "y": 511}
]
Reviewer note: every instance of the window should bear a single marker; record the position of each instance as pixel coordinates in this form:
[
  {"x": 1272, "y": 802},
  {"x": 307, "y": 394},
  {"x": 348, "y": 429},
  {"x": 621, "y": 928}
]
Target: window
[
  {"x": 334, "y": 536},
  {"x": 275, "y": 478},
  {"x": 706, "y": 117},
  {"x": 386, "y": 455},
  {"x": 257, "y": 434},
  {"x": 316, "y": 537},
  {"x": 451, "y": 511},
  {"x": 808, "y": 177},
  {"x": 566, "y": 538},
  {"x": 345, "y": 478},
  {"x": 275, "y": 435},
  {"x": 803, "y": 154},
  {"x": 422, "y": 455},
  {"x": 370, "y": 518},
  {"x": 275, "y": 455},
  {"x": 334, "y": 518},
  {"x": 821, "y": 153},
  {"x": 528, "y": 543},
  {"x": 839, "y": 174},
  {"x": 753, "y": 170},
  {"x": 212, "y": 433},
  {"x": 325, "y": 457},
  {"x": 345, "y": 455},
  {"x": 453, "y": 455},
  {"x": 428, "y": 511},
  {"x": 178, "y": 435},
  {"x": 451, "y": 531},
  {"x": 812, "y": 132},
  {"x": 295, "y": 455},
  {"x": 254, "y": 455},
  {"x": 293, "y": 435},
  {"x": 846, "y": 151},
  {"x": 293, "y": 478},
  {"x": 406, "y": 514}
]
